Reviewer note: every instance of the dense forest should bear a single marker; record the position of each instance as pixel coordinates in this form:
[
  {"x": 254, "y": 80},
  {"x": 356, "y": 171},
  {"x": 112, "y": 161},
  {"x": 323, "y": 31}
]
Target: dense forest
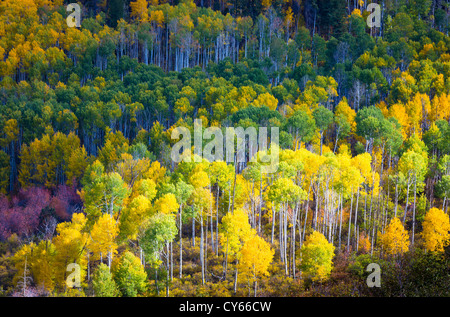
[{"x": 92, "y": 204}]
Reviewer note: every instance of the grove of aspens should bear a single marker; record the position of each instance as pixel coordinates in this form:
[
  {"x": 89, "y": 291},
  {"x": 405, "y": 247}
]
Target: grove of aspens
[{"x": 92, "y": 203}]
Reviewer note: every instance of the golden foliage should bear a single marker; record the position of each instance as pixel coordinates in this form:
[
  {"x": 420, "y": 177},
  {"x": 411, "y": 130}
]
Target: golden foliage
[
  {"x": 436, "y": 230},
  {"x": 395, "y": 240}
]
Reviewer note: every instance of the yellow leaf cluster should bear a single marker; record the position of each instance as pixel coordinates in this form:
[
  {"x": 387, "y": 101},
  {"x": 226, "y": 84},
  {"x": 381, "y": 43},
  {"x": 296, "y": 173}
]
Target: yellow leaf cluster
[
  {"x": 139, "y": 10},
  {"x": 436, "y": 230},
  {"x": 256, "y": 256},
  {"x": 103, "y": 235},
  {"x": 395, "y": 240}
]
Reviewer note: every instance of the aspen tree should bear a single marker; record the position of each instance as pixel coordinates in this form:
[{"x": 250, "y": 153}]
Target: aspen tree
[{"x": 436, "y": 228}]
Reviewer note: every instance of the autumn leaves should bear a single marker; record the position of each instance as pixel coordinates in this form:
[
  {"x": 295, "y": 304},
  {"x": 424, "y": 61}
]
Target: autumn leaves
[{"x": 436, "y": 227}]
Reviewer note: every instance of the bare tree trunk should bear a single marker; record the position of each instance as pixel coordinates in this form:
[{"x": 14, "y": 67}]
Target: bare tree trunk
[
  {"x": 285, "y": 239},
  {"x": 350, "y": 221},
  {"x": 201, "y": 247},
  {"x": 443, "y": 204},
  {"x": 234, "y": 184},
  {"x": 171, "y": 261},
  {"x": 294, "y": 222},
  {"x": 181, "y": 241},
  {"x": 167, "y": 274},
  {"x": 226, "y": 261},
  {"x": 306, "y": 213},
  {"x": 235, "y": 277},
  {"x": 260, "y": 205},
  {"x": 217, "y": 221},
  {"x": 356, "y": 213},
  {"x": 340, "y": 222},
  {"x": 396, "y": 198},
  {"x": 414, "y": 210},
  {"x": 273, "y": 223},
  {"x": 193, "y": 231},
  {"x": 316, "y": 208},
  {"x": 407, "y": 202}
]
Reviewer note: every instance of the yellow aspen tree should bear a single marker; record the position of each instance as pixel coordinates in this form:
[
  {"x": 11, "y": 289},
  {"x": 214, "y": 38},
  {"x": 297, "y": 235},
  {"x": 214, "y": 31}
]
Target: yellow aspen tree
[
  {"x": 235, "y": 230},
  {"x": 139, "y": 10},
  {"x": 256, "y": 256},
  {"x": 395, "y": 239},
  {"x": 102, "y": 238},
  {"x": 436, "y": 228},
  {"x": 156, "y": 172},
  {"x": 363, "y": 243},
  {"x": 76, "y": 164},
  {"x": 199, "y": 179},
  {"x": 316, "y": 257},
  {"x": 288, "y": 18},
  {"x": 166, "y": 204},
  {"x": 70, "y": 246},
  {"x": 133, "y": 216},
  {"x": 266, "y": 4},
  {"x": 145, "y": 187},
  {"x": 183, "y": 108},
  {"x": 344, "y": 109},
  {"x": 132, "y": 169},
  {"x": 157, "y": 16},
  {"x": 398, "y": 111},
  {"x": 21, "y": 261},
  {"x": 267, "y": 100},
  {"x": 440, "y": 107},
  {"x": 418, "y": 110},
  {"x": 42, "y": 265}
]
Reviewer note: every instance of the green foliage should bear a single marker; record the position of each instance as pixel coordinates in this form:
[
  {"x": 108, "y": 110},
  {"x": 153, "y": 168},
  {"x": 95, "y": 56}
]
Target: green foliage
[
  {"x": 94, "y": 108},
  {"x": 103, "y": 282},
  {"x": 129, "y": 275},
  {"x": 161, "y": 229},
  {"x": 301, "y": 126},
  {"x": 316, "y": 257},
  {"x": 103, "y": 192}
]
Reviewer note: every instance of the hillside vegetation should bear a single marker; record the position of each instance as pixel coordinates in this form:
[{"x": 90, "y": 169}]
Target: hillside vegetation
[{"x": 93, "y": 204}]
